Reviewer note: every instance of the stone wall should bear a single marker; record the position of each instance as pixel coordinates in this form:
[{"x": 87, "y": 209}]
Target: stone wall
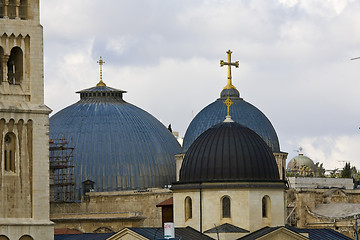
[{"x": 111, "y": 211}]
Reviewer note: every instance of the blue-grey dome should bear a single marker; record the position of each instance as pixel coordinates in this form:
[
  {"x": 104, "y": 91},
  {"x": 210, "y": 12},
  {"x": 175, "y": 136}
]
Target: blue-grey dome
[
  {"x": 229, "y": 151},
  {"x": 117, "y": 145},
  {"x": 241, "y": 112}
]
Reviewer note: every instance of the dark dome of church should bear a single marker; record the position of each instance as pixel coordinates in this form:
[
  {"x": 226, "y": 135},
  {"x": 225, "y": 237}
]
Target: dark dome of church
[
  {"x": 229, "y": 151},
  {"x": 241, "y": 112},
  {"x": 116, "y": 144}
]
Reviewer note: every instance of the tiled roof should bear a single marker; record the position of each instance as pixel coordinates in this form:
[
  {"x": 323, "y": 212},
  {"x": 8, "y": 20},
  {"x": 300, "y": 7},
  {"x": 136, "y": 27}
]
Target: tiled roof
[
  {"x": 167, "y": 202},
  {"x": 186, "y": 233},
  {"x": 259, "y": 233},
  {"x": 320, "y": 234},
  {"x": 58, "y": 231},
  {"x": 84, "y": 236},
  {"x": 314, "y": 234},
  {"x": 226, "y": 228}
]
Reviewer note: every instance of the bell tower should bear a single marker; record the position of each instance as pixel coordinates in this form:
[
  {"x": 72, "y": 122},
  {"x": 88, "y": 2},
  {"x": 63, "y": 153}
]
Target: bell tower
[{"x": 24, "y": 152}]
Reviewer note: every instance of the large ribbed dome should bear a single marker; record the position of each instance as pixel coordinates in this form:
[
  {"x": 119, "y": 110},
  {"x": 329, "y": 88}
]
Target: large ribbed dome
[
  {"x": 241, "y": 112},
  {"x": 117, "y": 145},
  {"x": 229, "y": 151}
]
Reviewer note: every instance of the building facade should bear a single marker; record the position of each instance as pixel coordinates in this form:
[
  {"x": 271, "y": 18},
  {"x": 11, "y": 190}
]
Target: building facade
[{"x": 24, "y": 119}]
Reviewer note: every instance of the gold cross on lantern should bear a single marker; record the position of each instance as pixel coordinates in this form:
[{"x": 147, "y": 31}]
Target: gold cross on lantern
[
  {"x": 229, "y": 64},
  {"x": 101, "y": 62}
]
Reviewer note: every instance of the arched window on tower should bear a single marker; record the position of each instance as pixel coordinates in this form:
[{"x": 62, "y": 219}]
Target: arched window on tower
[
  {"x": 2, "y": 8},
  {"x": 15, "y": 66},
  {"x": 9, "y": 152},
  {"x": 23, "y": 9},
  {"x": 188, "y": 208},
  {"x": 266, "y": 206},
  {"x": 2, "y": 237},
  {"x": 226, "y": 210},
  {"x": 11, "y": 10}
]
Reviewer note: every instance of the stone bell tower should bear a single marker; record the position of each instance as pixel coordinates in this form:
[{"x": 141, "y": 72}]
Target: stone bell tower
[{"x": 24, "y": 152}]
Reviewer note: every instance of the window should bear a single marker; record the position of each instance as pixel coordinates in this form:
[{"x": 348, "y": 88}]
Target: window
[
  {"x": 26, "y": 237},
  {"x": 188, "y": 208},
  {"x": 9, "y": 152},
  {"x": 11, "y": 10},
  {"x": 225, "y": 202},
  {"x": 266, "y": 205},
  {"x": 2, "y": 237},
  {"x": 15, "y": 66},
  {"x": 2, "y": 8},
  {"x": 23, "y": 9}
]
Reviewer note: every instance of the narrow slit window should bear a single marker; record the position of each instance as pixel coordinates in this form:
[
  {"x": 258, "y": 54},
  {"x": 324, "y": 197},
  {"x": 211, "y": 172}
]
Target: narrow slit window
[
  {"x": 266, "y": 205},
  {"x": 188, "y": 208},
  {"x": 226, "y": 213}
]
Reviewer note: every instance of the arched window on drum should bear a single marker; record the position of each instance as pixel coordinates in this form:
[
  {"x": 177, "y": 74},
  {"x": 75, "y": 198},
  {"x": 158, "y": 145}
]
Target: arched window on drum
[
  {"x": 266, "y": 206},
  {"x": 226, "y": 207},
  {"x": 188, "y": 208}
]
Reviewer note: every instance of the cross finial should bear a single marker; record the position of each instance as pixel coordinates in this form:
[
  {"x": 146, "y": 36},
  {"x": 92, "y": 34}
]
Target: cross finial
[
  {"x": 101, "y": 62},
  {"x": 229, "y": 64},
  {"x": 228, "y": 103}
]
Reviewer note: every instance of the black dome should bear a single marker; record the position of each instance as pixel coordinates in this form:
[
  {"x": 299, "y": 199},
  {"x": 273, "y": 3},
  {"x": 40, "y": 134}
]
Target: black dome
[{"x": 229, "y": 151}]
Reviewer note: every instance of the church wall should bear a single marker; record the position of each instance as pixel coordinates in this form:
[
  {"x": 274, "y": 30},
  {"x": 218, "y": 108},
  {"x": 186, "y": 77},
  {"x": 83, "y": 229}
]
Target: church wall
[
  {"x": 277, "y": 208},
  {"x": 111, "y": 211},
  {"x": 246, "y": 207},
  {"x": 239, "y": 205}
]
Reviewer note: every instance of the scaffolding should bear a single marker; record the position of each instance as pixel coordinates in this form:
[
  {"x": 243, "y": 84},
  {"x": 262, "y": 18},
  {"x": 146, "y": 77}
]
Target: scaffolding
[{"x": 61, "y": 170}]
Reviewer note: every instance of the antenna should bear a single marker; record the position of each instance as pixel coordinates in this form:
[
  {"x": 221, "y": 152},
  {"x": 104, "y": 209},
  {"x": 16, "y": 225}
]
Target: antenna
[
  {"x": 299, "y": 150},
  {"x": 355, "y": 58},
  {"x": 343, "y": 162}
]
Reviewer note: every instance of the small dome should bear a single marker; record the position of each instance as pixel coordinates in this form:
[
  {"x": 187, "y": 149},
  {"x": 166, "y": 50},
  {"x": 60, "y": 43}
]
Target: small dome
[
  {"x": 229, "y": 151},
  {"x": 230, "y": 92},
  {"x": 116, "y": 144},
  {"x": 241, "y": 112},
  {"x": 297, "y": 162}
]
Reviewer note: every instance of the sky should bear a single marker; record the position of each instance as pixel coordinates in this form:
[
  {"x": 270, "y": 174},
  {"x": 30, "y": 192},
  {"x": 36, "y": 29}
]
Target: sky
[{"x": 294, "y": 62}]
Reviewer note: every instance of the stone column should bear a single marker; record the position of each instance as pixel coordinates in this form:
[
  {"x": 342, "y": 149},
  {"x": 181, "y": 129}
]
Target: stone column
[
  {"x": 179, "y": 159},
  {"x": 281, "y": 163},
  {"x": 17, "y": 9},
  {"x": 6, "y": 8},
  {"x": 4, "y": 61}
]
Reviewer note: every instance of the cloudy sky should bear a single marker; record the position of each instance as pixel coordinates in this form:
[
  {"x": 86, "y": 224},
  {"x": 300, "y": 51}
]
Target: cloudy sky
[{"x": 294, "y": 62}]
